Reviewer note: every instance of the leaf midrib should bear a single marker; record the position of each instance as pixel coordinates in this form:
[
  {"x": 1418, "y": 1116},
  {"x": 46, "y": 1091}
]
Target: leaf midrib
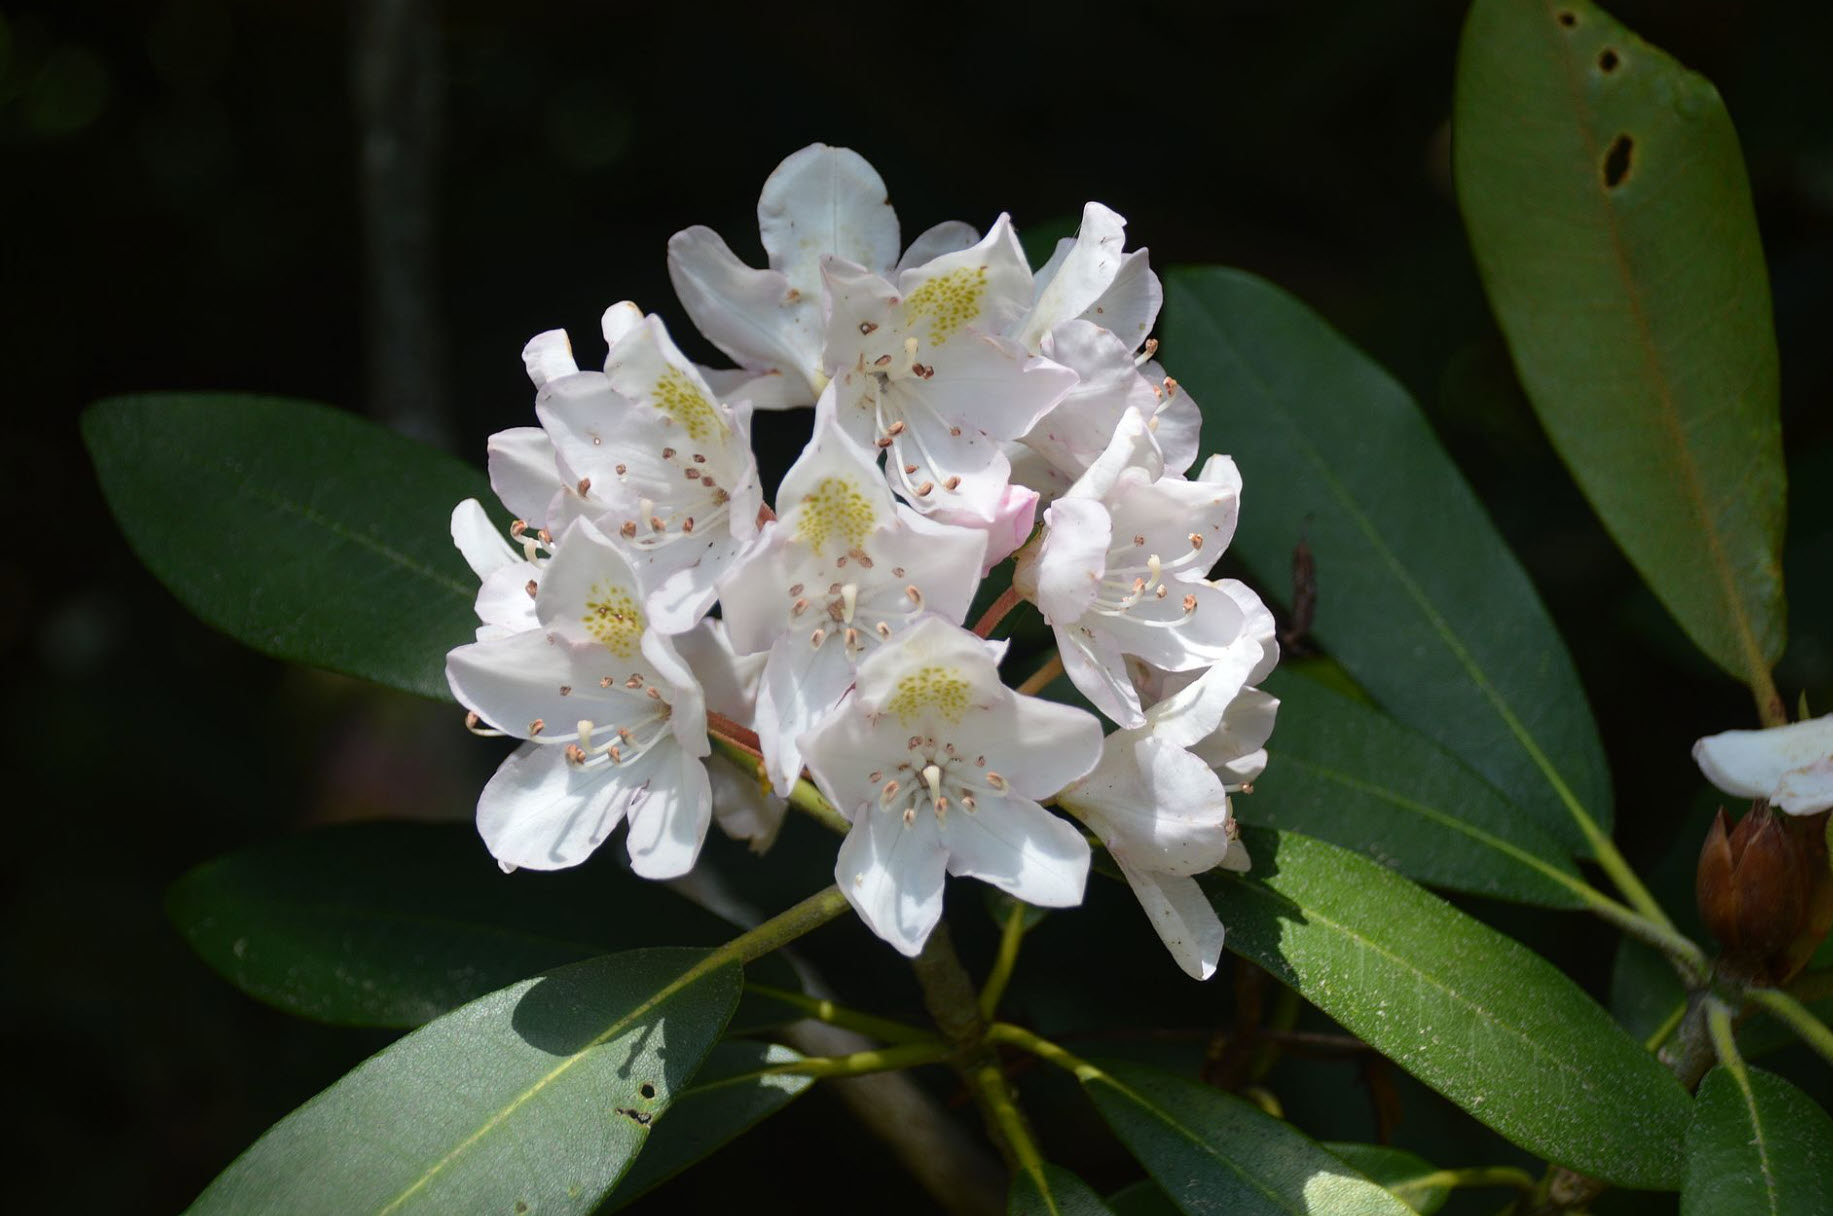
[
  {"x": 1668, "y": 412},
  {"x": 698, "y": 971},
  {"x": 1441, "y": 818},
  {"x": 248, "y": 486}
]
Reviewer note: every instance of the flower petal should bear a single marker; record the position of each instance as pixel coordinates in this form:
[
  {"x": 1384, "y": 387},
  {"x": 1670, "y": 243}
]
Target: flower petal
[
  {"x": 524, "y": 472},
  {"x": 1072, "y": 558},
  {"x": 669, "y": 806},
  {"x": 540, "y": 813},
  {"x": 1807, "y": 790},
  {"x": 824, "y": 200},
  {"x": 548, "y": 356},
  {"x": 1186, "y": 921},
  {"x": 1751, "y": 763},
  {"x": 1078, "y": 277},
  {"x": 754, "y": 316},
  {"x": 950, "y": 236},
  {"x": 892, "y": 873},
  {"x": 481, "y": 545},
  {"x": 1019, "y": 847},
  {"x": 802, "y": 684}
]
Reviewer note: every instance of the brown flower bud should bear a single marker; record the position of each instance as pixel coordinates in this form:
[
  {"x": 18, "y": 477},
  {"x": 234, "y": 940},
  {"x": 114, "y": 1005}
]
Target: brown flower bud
[{"x": 1764, "y": 891}]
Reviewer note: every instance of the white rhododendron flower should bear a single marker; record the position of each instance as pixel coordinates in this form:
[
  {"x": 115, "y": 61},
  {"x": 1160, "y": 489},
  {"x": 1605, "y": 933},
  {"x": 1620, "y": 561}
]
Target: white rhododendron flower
[
  {"x": 1163, "y": 811},
  {"x": 646, "y": 452},
  {"x": 647, "y": 603},
  {"x": 842, "y": 570},
  {"x": 1120, "y": 571},
  {"x": 941, "y": 769},
  {"x": 614, "y": 723},
  {"x": 821, "y": 202},
  {"x": 1790, "y": 766},
  {"x": 919, "y": 371}
]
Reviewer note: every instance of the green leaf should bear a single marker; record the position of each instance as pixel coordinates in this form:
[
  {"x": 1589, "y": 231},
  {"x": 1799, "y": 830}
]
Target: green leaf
[
  {"x": 725, "y": 1102},
  {"x": 534, "y": 1098},
  {"x": 297, "y": 529},
  {"x": 1401, "y": 1172},
  {"x": 1757, "y": 1145},
  {"x": 1345, "y": 772},
  {"x": 1214, "y": 1153},
  {"x": 1473, "y": 1014},
  {"x": 1607, "y": 205},
  {"x": 1143, "y": 1198},
  {"x": 1645, "y": 991},
  {"x": 1062, "y": 1194},
  {"x": 1418, "y": 597},
  {"x": 392, "y": 924}
]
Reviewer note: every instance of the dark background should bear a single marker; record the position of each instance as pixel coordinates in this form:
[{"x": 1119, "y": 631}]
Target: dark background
[{"x": 184, "y": 193}]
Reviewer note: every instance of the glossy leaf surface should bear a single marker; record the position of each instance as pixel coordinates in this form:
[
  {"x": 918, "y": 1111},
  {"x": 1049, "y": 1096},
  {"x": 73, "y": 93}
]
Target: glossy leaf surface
[
  {"x": 1607, "y": 204},
  {"x": 1212, "y": 1152},
  {"x": 1473, "y": 1014},
  {"x": 1417, "y": 595},
  {"x": 1758, "y": 1147},
  {"x": 1344, "y": 771},
  {"x": 303, "y": 531},
  {"x": 392, "y": 924},
  {"x": 533, "y": 1098}
]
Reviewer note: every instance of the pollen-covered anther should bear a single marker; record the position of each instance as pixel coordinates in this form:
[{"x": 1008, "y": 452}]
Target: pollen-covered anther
[
  {"x": 817, "y": 637},
  {"x": 687, "y": 525},
  {"x": 881, "y": 361},
  {"x": 910, "y": 468},
  {"x": 852, "y": 637},
  {"x": 531, "y": 587},
  {"x": 655, "y": 694},
  {"x": 634, "y": 681},
  {"x": 836, "y": 611},
  {"x": 1190, "y": 603},
  {"x": 798, "y": 608},
  {"x": 584, "y": 487},
  {"x": 545, "y": 537},
  {"x": 482, "y": 732},
  {"x": 883, "y": 441},
  {"x": 656, "y": 524},
  {"x": 536, "y": 727},
  {"x": 516, "y": 528},
  {"x": 915, "y": 596},
  {"x": 867, "y": 327},
  {"x": 1170, "y": 387},
  {"x": 1138, "y": 539},
  {"x": 575, "y": 755},
  {"x": 861, "y": 556},
  {"x": 951, "y": 482},
  {"x": 924, "y": 490},
  {"x": 628, "y": 529},
  {"x": 967, "y": 800},
  {"x": 1146, "y": 354},
  {"x": 883, "y": 630},
  {"x": 605, "y": 681},
  {"x": 1196, "y": 540},
  {"x": 909, "y": 816},
  {"x": 890, "y": 791},
  {"x": 1162, "y": 592},
  {"x": 895, "y": 429},
  {"x": 922, "y": 370},
  {"x": 566, "y": 690},
  {"x": 996, "y": 781},
  {"x": 668, "y": 453}
]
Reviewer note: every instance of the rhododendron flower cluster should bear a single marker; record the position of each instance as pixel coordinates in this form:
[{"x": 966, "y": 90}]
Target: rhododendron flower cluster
[{"x": 967, "y": 408}]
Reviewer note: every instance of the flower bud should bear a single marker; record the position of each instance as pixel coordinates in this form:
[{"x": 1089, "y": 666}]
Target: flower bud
[{"x": 1765, "y": 892}]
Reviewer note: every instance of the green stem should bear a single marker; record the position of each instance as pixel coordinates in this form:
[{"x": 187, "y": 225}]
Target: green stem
[
  {"x": 1667, "y": 1027},
  {"x": 1660, "y": 934},
  {"x": 1724, "y": 1037},
  {"x": 777, "y": 932},
  {"x": 1613, "y": 863},
  {"x": 1001, "y": 975},
  {"x": 1043, "y": 1049},
  {"x": 854, "y": 1064},
  {"x": 1796, "y": 1016},
  {"x": 833, "y": 1014}
]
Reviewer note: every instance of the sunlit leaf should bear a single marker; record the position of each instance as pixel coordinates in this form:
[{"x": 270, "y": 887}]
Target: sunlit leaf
[
  {"x": 1473, "y": 1014},
  {"x": 1058, "y": 1193},
  {"x": 534, "y": 1098},
  {"x": 1212, "y": 1152}
]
